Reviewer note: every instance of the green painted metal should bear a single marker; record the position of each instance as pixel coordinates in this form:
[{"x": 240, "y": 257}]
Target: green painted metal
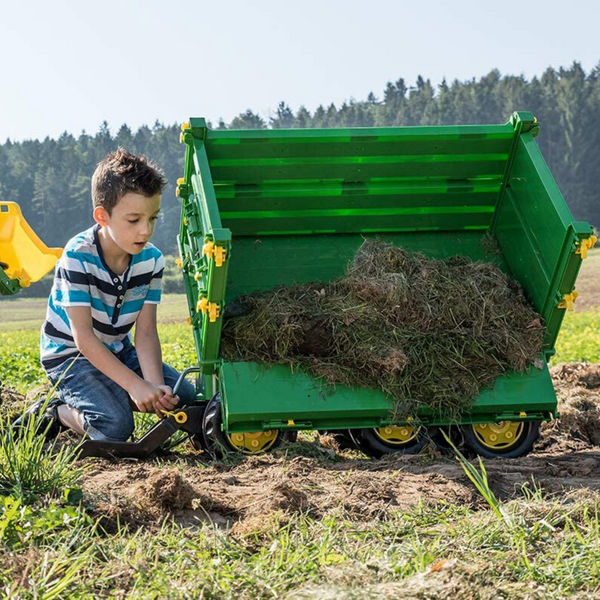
[
  {"x": 537, "y": 233},
  {"x": 262, "y": 398},
  {"x": 8, "y": 286},
  {"x": 292, "y": 206}
]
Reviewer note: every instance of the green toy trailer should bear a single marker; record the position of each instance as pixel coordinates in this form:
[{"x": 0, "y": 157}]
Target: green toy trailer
[{"x": 263, "y": 208}]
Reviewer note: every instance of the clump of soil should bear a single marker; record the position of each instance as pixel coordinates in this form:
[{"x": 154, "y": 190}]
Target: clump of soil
[
  {"x": 577, "y": 386},
  {"x": 568, "y": 375},
  {"x": 166, "y": 490},
  {"x": 137, "y": 494},
  {"x": 425, "y": 332},
  {"x": 11, "y": 403}
]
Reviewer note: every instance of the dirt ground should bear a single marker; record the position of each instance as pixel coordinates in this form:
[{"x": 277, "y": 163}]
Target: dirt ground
[{"x": 319, "y": 478}]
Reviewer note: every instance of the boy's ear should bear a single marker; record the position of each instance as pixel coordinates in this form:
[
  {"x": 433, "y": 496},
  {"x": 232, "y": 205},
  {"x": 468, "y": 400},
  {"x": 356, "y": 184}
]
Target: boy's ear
[{"x": 100, "y": 216}]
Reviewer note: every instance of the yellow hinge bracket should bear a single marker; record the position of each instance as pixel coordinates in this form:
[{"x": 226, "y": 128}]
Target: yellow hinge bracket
[
  {"x": 586, "y": 245},
  {"x": 184, "y": 126},
  {"x": 218, "y": 253},
  {"x": 180, "y": 182},
  {"x": 568, "y": 300},
  {"x": 212, "y": 308}
]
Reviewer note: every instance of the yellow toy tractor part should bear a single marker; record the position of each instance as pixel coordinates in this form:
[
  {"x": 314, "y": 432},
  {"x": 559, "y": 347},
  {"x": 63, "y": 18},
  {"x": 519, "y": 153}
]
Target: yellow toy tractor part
[{"x": 24, "y": 258}]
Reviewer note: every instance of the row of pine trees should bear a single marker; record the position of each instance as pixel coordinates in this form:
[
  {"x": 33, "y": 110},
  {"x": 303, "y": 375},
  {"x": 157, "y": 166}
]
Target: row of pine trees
[{"x": 50, "y": 179}]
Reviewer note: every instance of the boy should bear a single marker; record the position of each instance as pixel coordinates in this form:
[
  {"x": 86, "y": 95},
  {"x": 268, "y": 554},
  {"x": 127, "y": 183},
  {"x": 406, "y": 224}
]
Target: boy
[{"x": 108, "y": 279}]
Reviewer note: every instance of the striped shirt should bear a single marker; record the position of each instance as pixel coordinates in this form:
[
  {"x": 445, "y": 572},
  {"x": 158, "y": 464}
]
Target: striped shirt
[{"x": 82, "y": 278}]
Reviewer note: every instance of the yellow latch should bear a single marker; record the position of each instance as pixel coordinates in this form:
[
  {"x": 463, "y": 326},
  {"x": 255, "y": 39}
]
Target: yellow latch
[
  {"x": 180, "y": 417},
  {"x": 218, "y": 253},
  {"x": 202, "y": 305},
  {"x": 180, "y": 182},
  {"x": 213, "y": 311},
  {"x": 197, "y": 276},
  {"x": 179, "y": 263},
  {"x": 212, "y": 308},
  {"x": 184, "y": 126},
  {"x": 586, "y": 245},
  {"x": 568, "y": 300},
  {"x": 291, "y": 423}
]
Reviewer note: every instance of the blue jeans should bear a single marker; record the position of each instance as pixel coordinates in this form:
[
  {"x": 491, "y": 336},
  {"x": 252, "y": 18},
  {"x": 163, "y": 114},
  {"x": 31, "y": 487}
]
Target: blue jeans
[{"x": 105, "y": 406}]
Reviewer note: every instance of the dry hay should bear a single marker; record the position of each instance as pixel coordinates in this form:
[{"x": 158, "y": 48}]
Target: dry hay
[{"x": 425, "y": 332}]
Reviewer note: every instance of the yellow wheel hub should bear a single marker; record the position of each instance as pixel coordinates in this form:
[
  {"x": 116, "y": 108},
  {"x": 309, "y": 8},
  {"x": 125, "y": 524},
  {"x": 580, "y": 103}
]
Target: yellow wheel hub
[
  {"x": 253, "y": 443},
  {"x": 499, "y": 436},
  {"x": 396, "y": 436}
]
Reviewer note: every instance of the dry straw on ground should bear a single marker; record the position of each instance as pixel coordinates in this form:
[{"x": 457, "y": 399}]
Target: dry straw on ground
[{"x": 425, "y": 332}]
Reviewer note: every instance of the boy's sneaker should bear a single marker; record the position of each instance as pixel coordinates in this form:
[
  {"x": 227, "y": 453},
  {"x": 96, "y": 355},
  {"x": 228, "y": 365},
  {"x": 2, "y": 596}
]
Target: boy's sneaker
[{"x": 47, "y": 422}]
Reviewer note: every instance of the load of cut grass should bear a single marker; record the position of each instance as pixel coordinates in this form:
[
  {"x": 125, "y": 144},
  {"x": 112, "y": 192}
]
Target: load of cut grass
[{"x": 423, "y": 331}]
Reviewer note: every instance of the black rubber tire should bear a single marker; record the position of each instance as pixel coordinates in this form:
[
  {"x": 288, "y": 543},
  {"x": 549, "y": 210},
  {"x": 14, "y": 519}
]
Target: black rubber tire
[
  {"x": 372, "y": 445},
  {"x": 454, "y": 432},
  {"x": 342, "y": 437},
  {"x": 197, "y": 442},
  {"x": 216, "y": 442},
  {"x": 523, "y": 445}
]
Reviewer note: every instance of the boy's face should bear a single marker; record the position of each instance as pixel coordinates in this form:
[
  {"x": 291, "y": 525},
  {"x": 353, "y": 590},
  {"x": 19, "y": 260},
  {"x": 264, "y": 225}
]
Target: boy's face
[{"x": 132, "y": 222}]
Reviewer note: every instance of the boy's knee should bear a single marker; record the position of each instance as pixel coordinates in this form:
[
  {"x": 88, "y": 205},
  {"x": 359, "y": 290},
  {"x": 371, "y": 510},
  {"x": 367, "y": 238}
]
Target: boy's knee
[
  {"x": 116, "y": 428},
  {"x": 187, "y": 393}
]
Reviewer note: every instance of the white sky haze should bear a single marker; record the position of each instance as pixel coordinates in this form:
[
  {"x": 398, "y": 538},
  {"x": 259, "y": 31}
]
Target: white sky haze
[{"x": 68, "y": 66}]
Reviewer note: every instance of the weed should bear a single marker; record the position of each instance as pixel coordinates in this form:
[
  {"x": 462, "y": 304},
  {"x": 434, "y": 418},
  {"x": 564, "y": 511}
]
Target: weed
[{"x": 29, "y": 465}]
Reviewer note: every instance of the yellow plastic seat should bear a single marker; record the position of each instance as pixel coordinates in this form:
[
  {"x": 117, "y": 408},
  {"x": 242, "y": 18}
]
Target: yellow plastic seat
[{"x": 27, "y": 257}]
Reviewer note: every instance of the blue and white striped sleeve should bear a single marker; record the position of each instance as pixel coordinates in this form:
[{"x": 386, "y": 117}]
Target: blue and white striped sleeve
[
  {"x": 155, "y": 286},
  {"x": 71, "y": 283}
]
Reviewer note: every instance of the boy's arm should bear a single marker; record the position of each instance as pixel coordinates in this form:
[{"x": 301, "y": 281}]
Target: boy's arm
[
  {"x": 147, "y": 345},
  {"x": 146, "y": 396}
]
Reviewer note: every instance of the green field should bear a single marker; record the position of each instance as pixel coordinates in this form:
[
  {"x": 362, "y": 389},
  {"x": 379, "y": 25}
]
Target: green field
[{"x": 20, "y": 321}]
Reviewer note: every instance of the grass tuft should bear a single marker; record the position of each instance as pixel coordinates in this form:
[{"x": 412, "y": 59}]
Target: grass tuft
[{"x": 29, "y": 465}]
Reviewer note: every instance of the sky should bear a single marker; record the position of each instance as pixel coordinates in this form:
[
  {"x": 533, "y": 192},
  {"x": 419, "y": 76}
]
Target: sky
[{"x": 70, "y": 65}]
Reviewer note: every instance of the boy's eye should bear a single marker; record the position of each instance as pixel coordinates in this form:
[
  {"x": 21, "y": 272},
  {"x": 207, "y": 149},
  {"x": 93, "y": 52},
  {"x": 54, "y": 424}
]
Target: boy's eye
[
  {"x": 154, "y": 219},
  {"x": 134, "y": 221}
]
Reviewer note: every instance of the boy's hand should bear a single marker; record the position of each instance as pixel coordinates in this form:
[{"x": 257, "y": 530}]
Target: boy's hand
[
  {"x": 152, "y": 398},
  {"x": 168, "y": 401}
]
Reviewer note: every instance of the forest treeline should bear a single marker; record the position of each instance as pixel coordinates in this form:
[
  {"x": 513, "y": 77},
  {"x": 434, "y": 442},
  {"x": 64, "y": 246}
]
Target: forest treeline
[{"x": 50, "y": 179}]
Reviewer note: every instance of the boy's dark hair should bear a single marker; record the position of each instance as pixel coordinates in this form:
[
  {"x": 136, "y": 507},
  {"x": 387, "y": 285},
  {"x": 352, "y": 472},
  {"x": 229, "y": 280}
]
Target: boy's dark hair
[{"x": 120, "y": 172}]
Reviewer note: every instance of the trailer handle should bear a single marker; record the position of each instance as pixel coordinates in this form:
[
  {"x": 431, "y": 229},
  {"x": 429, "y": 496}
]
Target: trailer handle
[{"x": 182, "y": 377}]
